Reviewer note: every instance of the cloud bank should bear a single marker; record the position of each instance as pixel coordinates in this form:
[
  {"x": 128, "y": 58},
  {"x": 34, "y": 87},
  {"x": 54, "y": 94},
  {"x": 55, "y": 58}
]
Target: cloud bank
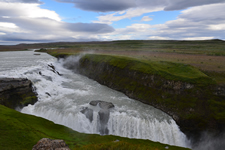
[
  {"x": 28, "y": 22},
  {"x": 191, "y": 24}
]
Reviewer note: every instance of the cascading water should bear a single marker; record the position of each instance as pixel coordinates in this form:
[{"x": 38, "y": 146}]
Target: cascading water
[{"x": 64, "y": 97}]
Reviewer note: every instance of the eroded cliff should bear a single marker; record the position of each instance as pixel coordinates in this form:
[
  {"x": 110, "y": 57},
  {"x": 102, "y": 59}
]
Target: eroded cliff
[
  {"x": 193, "y": 99},
  {"x": 16, "y": 93}
]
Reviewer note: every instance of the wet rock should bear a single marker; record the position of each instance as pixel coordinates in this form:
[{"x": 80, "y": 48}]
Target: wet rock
[
  {"x": 88, "y": 113},
  {"x": 16, "y": 93},
  {"x": 49, "y": 144},
  {"x": 48, "y": 94},
  {"x": 53, "y": 69},
  {"x": 103, "y": 119},
  {"x": 103, "y": 115},
  {"x": 9, "y": 83},
  {"x": 47, "y": 78},
  {"x": 102, "y": 104},
  {"x": 51, "y": 66}
]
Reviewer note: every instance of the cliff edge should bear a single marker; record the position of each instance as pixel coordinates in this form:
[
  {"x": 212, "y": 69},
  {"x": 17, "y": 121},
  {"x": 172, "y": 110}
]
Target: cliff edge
[{"x": 16, "y": 92}]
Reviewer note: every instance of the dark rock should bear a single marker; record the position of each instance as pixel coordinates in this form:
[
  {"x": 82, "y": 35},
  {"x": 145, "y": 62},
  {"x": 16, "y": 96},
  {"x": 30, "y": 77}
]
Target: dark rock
[
  {"x": 47, "y": 78},
  {"x": 88, "y": 113},
  {"x": 102, "y": 104},
  {"x": 103, "y": 115},
  {"x": 53, "y": 69},
  {"x": 48, "y": 94},
  {"x": 51, "y": 66},
  {"x": 16, "y": 92},
  {"x": 103, "y": 118},
  {"x": 49, "y": 144}
]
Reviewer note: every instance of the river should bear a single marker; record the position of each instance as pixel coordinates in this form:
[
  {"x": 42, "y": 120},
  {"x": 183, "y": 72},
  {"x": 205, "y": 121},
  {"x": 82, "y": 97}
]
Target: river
[{"x": 63, "y": 94}]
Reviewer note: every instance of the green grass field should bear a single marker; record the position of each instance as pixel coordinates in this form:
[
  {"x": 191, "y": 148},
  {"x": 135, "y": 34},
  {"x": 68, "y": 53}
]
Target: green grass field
[{"x": 168, "y": 70}]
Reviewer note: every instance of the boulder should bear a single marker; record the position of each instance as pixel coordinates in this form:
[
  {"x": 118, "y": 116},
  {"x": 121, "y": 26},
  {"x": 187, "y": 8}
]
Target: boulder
[
  {"x": 102, "y": 104},
  {"x": 52, "y": 68},
  {"x": 103, "y": 114},
  {"x": 49, "y": 144},
  {"x": 88, "y": 113}
]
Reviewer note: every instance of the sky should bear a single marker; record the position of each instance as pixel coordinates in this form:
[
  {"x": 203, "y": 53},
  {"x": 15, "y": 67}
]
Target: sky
[{"x": 35, "y": 21}]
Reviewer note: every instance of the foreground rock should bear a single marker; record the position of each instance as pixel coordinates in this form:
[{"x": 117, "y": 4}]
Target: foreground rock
[
  {"x": 49, "y": 144},
  {"x": 16, "y": 93},
  {"x": 103, "y": 114}
]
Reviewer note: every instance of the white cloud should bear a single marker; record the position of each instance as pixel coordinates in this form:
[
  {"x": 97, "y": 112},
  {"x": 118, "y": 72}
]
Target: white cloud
[
  {"x": 21, "y": 1},
  {"x": 217, "y": 27},
  {"x": 146, "y": 18},
  {"x": 192, "y": 24},
  {"x": 27, "y": 22},
  {"x": 158, "y": 38},
  {"x": 8, "y": 10},
  {"x": 7, "y": 25},
  {"x": 130, "y": 13},
  {"x": 24, "y": 20},
  {"x": 198, "y": 38}
]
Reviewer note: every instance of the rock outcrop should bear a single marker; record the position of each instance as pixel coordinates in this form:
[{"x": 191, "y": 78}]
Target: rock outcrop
[
  {"x": 49, "y": 144},
  {"x": 102, "y": 104},
  {"x": 16, "y": 93},
  {"x": 103, "y": 114}
]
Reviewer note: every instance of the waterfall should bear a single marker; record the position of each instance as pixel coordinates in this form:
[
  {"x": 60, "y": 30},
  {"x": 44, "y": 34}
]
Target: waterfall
[{"x": 64, "y": 97}]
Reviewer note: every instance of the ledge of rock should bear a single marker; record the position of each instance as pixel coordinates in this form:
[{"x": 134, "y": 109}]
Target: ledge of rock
[
  {"x": 103, "y": 114},
  {"x": 16, "y": 92},
  {"x": 49, "y": 144},
  {"x": 102, "y": 104}
]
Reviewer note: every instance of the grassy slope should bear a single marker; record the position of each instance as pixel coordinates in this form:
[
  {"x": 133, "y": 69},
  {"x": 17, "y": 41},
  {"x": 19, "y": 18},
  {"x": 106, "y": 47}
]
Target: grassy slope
[
  {"x": 167, "y": 70},
  {"x": 20, "y": 132}
]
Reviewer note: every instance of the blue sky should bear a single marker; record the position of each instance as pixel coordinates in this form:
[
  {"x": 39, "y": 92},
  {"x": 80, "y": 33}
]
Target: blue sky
[{"x": 31, "y": 21}]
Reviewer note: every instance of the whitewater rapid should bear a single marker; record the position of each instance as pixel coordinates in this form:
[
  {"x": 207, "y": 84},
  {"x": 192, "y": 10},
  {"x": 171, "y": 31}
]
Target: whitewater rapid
[{"x": 62, "y": 97}]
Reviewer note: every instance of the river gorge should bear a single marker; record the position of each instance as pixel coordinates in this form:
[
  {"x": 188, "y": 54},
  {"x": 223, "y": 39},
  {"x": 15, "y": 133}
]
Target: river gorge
[
  {"x": 82, "y": 104},
  {"x": 62, "y": 96}
]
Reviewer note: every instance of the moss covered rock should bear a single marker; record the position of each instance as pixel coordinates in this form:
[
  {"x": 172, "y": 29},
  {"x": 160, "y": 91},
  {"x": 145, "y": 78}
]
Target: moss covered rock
[{"x": 16, "y": 93}]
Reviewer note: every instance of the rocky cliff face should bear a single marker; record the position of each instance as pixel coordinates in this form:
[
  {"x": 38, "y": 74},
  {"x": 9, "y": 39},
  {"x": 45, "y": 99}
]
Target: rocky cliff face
[
  {"x": 16, "y": 93},
  {"x": 192, "y": 106}
]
